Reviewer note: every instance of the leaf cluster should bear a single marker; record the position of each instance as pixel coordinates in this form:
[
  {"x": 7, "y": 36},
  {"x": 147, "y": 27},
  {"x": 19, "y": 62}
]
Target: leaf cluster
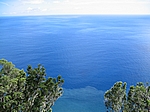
[
  {"x": 27, "y": 91},
  {"x": 137, "y": 99}
]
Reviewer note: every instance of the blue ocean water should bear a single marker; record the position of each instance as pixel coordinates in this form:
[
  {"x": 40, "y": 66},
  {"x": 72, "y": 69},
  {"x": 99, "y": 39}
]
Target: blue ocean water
[{"x": 91, "y": 52}]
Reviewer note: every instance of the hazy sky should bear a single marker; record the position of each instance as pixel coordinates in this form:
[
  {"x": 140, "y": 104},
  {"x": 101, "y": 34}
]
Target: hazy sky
[{"x": 55, "y": 7}]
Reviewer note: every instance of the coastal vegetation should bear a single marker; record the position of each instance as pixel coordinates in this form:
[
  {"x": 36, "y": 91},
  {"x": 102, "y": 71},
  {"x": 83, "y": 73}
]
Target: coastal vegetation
[
  {"x": 137, "y": 99},
  {"x": 28, "y": 91},
  {"x": 31, "y": 91}
]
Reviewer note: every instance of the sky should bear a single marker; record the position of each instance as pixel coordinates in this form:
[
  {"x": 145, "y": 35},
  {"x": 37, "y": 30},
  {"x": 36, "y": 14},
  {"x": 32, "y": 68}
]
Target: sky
[{"x": 65, "y": 7}]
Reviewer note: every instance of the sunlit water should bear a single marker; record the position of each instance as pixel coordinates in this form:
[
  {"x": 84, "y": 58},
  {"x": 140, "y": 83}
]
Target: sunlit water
[{"x": 90, "y": 52}]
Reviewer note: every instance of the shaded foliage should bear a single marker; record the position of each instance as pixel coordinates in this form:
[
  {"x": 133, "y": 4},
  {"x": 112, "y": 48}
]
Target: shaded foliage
[
  {"x": 137, "y": 99},
  {"x": 116, "y": 97},
  {"x": 27, "y": 91}
]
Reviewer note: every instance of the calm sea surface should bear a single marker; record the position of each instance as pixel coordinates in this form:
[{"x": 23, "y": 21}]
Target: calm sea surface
[{"x": 90, "y": 52}]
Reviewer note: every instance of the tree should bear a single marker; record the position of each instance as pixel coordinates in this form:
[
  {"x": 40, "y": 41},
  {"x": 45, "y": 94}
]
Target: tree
[
  {"x": 115, "y": 97},
  {"x": 12, "y": 85},
  {"x": 138, "y": 98},
  {"x": 30, "y": 91}
]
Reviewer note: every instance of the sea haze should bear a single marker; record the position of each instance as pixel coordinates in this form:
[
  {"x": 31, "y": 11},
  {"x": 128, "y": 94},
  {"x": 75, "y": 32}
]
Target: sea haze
[{"x": 90, "y": 52}]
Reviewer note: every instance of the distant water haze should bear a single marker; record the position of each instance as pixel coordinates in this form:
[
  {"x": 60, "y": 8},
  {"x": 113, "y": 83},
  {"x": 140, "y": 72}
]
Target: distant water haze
[{"x": 90, "y": 52}]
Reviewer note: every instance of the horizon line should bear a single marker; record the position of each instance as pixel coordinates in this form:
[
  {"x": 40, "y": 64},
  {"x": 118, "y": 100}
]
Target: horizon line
[{"x": 77, "y": 15}]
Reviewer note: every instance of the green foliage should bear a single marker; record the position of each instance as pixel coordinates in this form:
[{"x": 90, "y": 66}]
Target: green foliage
[
  {"x": 116, "y": 97},
  {"x": 27, "y": 92},
  {"x": 138, "y": 98}
]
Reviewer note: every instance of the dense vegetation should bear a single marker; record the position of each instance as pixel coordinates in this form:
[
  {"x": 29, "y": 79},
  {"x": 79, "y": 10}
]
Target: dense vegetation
[
  {"x": 27, "y": 91},
  {"x": 137, "y": 99}
]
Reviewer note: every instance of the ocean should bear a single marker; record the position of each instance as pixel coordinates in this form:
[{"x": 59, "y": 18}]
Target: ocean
[{"x": 90, "y": 52}]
